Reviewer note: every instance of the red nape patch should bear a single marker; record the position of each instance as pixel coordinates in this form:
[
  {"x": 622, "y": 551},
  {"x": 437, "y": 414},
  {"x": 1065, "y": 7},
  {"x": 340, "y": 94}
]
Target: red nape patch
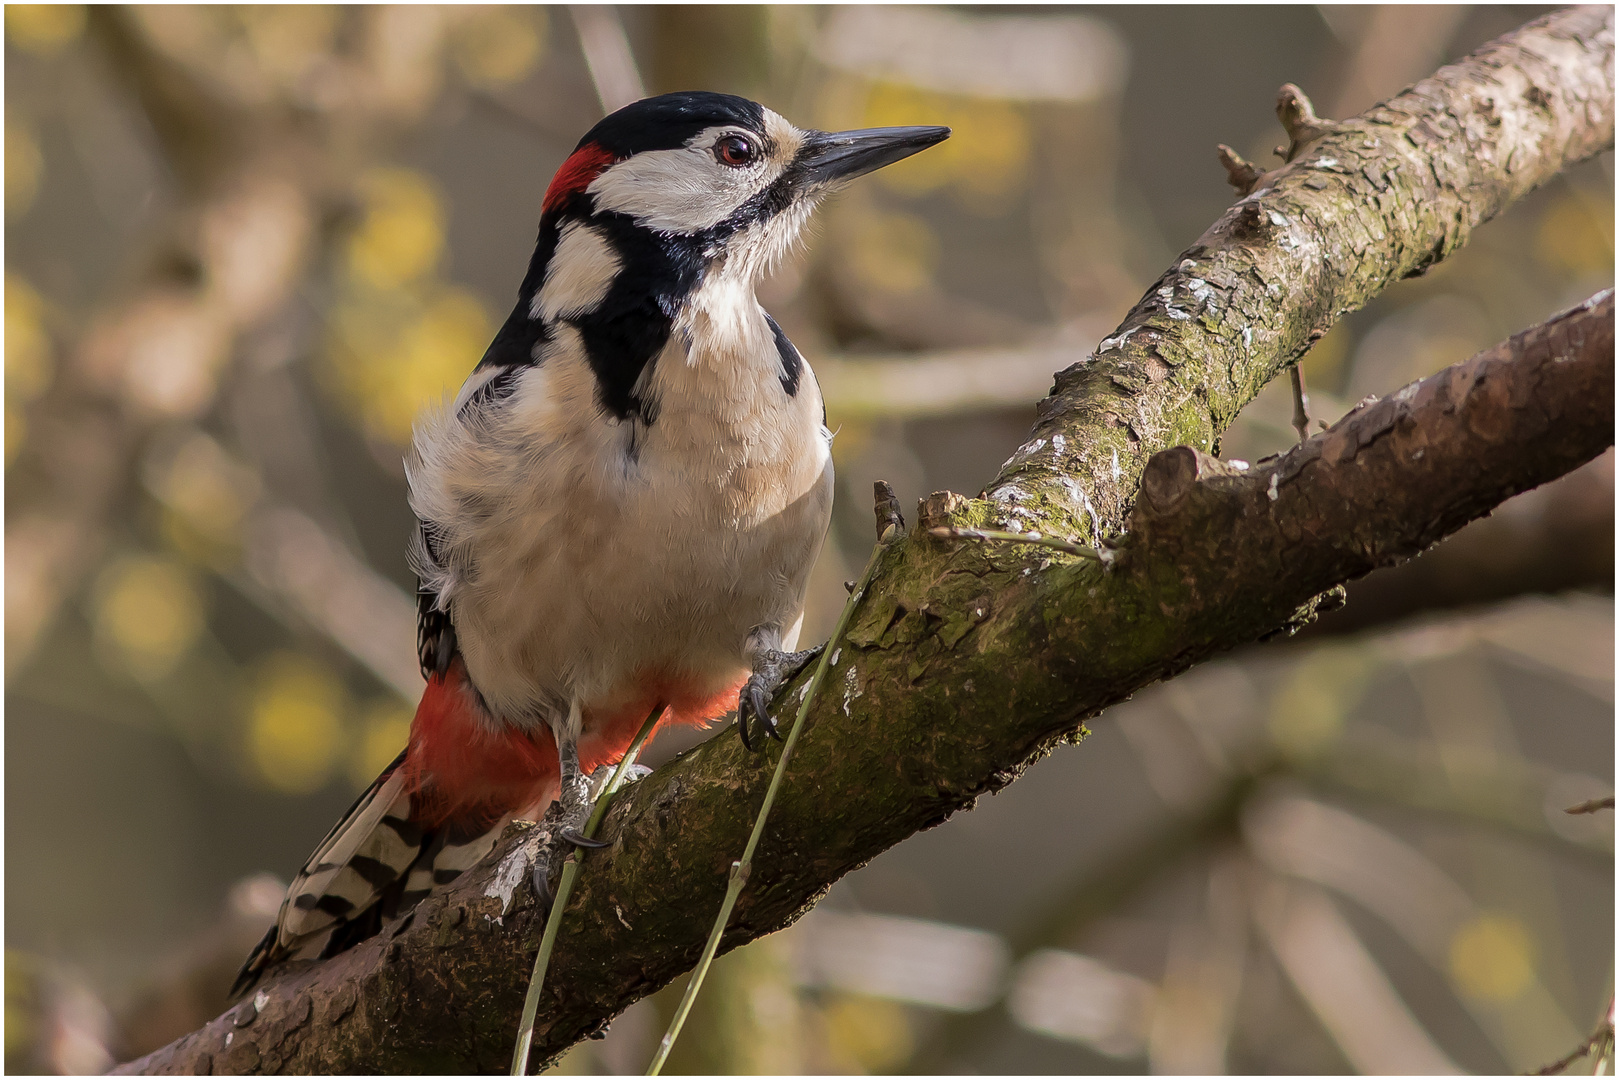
[
  {"x": 457, "y": 768},
  {"x": 582, "y": 166}
]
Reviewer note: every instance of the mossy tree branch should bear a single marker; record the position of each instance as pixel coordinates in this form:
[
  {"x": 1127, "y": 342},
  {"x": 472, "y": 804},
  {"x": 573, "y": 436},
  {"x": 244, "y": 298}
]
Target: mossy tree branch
[{"x": 968, "y": 661}]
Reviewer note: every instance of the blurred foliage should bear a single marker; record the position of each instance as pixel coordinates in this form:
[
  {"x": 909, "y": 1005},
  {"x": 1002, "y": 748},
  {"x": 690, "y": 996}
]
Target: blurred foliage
[
  {"x": 401, "y": 338},
  {"x": 1492, "y": 958},
  {"x": 297, "y": 730},
  {"x": 500, "y": 45},
  {"x": 248, "y": 245},
  {"x": 43, "y": 29},
  {"x": 148, "y": 615}
]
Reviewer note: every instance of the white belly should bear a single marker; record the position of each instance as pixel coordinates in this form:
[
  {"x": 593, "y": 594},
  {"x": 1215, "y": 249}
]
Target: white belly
[{"x": 588, "y": 569}]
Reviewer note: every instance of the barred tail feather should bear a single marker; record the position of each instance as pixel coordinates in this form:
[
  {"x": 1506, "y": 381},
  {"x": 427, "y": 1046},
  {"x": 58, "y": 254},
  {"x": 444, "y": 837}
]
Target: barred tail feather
[
  {"x": 438, "y": 810},
  {"x": 431, "y": 815}
]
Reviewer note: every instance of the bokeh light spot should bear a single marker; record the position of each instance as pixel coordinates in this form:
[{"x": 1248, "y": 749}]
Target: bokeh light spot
[
  {"x": 867, "y": 1034},
  {"x": 288, "y": 39},
  {"x": 295, "y": 729},
  {"x": 392, "y": 354},
  {"x": 43, "y": 29},
  {"x": 28, "y": 347},
  {"x": 500, "y": 45},
  {"x": 148, "y": 614},
  {"x": 207, "y": 494},
  {"x": 1492, "y": 958},
  {"x": 383, "y": 733},
  {"x": 402, "y": 233}
]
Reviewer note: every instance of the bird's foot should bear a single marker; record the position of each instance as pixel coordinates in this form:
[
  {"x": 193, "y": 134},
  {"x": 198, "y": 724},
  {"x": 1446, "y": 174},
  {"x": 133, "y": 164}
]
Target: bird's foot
[
  {"x": 772, "y": 669},
  {"x": 536, "y": 851},
  {"x": 575, "y": 802},
  {"x": 574, "y": 820}
]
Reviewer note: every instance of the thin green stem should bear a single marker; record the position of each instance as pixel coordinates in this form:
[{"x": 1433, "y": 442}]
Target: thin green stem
[
  {"x": 743, "y": 866},
  {"x": 1039, "y": 539},
  {"x": 570, "y": 871}
]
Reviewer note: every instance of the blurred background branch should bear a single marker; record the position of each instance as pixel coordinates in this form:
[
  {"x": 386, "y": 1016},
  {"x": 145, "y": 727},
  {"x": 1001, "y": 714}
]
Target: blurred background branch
[{"x": 246, "y": 245}]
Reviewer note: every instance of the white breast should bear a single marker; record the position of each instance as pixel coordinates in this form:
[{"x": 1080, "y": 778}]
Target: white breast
[{"x": 584, "y": 554}]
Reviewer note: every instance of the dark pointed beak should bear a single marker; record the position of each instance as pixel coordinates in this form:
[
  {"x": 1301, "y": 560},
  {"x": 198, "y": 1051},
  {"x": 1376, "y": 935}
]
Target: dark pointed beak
[{"x": 831, "y": 157}]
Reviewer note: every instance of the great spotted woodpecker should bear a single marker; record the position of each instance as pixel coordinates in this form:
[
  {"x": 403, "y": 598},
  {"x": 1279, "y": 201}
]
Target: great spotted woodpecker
[{"x": 620, "y": 508}]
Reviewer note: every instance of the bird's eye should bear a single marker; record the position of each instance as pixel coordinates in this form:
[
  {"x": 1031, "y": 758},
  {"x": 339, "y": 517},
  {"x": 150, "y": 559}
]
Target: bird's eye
[{"x": 735, "y": 151}]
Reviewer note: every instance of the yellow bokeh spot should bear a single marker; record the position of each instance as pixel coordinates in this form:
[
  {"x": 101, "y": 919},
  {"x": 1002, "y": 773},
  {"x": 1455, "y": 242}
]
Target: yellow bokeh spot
[
  {"x": 1308, "y": 711},
  {"x": 383, "y": 733},
  {"x": 295, "y": 727},
  {"x": 500, "y": 45},
  {"x": 148, "y": 614},
  {"x": 1576, "y": 236},
  {"x": 28, "y": 347},
  {"x": 24, "y": 166},
  {"x": 287, "y": 39},
  {"x": 208, "y": 495},
  {"x": 43, "y": 29},
  {"x": 894, "y": 253},
  {"x": 392, "y": 356},
  {"x": 1492, "y": 958},
  {"x": 402, "y": 233},
  {"x": 988, "y": 153},
  {"x": 868, "y": 1035}
]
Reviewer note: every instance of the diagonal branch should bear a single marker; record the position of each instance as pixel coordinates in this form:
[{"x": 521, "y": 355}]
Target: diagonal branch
[
  {"x": 1387, "y": 195},
  {"x": 1216, "y": 555},
  {"x": 968, "y": 661}
]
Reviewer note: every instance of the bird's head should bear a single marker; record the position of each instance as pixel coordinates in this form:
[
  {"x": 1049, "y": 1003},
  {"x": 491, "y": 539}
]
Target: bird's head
[
  {"x": 721, "y": 176},
  {"x": 660, "y": 199}
]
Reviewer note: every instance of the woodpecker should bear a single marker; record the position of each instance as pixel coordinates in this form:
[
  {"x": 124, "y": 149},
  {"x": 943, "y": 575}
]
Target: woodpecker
[{"x": 619, "y": 509}]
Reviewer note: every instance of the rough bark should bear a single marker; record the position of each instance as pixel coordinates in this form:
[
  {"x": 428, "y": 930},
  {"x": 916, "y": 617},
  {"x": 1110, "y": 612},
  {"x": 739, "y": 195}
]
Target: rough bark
[
  {"x": 1556, "y": 538},
  {"x": 966, "y": 662},
  {"x": 1384, "y": 197}
]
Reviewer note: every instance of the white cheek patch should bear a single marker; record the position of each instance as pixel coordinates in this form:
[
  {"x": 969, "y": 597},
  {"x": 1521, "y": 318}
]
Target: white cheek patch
[
  {"x": 687, "y": 190},
  {"x": 678, "y": 191},
  {"x": 581, "y": 271}
]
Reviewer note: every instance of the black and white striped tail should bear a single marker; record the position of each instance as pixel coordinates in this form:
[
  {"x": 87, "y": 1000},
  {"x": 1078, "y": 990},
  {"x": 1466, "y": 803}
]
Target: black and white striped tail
[{"x": 374, "y": 866}]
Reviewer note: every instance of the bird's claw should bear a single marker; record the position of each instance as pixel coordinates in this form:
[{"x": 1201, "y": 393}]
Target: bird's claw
[
  {"x": 772, "y": 670},
  {"x": 540, "y": 878},
  {"x": 579, "y": 839}
]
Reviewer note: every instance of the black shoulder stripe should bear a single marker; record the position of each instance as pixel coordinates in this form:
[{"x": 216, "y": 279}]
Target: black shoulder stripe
[
  {"x": 791, "y": 363},
  {"x": 444, "y": 877},
  {"x": 625, "y": 332}
]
